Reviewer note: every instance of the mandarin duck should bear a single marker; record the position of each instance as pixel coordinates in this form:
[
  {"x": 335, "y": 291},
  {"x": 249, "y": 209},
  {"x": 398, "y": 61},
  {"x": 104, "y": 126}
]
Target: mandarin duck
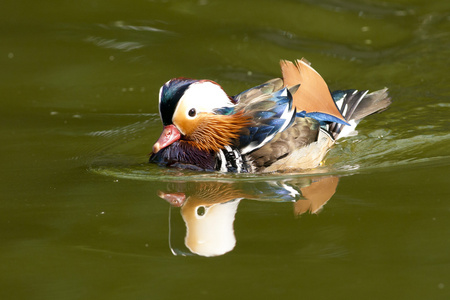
[{"x": 281, "y": 125}]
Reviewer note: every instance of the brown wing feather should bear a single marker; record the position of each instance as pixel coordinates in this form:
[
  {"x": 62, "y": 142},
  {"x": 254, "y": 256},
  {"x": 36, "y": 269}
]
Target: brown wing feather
[
  {"x": 313, "y": 94},
  {"x": 303, "y": 132}
]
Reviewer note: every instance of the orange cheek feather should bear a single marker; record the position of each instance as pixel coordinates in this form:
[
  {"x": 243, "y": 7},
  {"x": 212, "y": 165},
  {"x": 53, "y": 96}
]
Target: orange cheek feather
[{"x": 212, "y": 132}]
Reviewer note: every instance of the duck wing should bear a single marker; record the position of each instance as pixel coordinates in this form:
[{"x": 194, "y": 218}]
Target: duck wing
[
  {"x": 303, "y": 132},
  {"x": 270, "y": 108}
]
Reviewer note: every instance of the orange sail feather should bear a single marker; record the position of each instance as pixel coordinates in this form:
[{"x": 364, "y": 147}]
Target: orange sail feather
[{"x": 313, "y": 94}]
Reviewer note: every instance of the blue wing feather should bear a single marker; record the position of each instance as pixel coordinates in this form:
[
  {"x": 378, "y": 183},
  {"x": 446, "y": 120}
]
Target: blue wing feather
[
  {"x": 273, "y": 114},
  {"x": 264, "y": 115},
  {"x": 262, "y": 133},
  {"x": 321, "y": 117},
  {"x": 279, "y": 108},
  {"x": 275, "y": 123}
]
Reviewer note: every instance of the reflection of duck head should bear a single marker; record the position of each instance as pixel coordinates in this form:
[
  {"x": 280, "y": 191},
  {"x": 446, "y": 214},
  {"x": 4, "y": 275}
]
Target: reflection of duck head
[
  {"x": 209, "y": 228},
  {"x": 208, "y": 208}
]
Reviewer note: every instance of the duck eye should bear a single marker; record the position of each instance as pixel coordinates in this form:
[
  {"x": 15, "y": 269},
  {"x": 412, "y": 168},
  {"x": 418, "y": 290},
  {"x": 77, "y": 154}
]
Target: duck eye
[
  {"x": 192, "y": 112},
  {"x": 201, "y": 210}
]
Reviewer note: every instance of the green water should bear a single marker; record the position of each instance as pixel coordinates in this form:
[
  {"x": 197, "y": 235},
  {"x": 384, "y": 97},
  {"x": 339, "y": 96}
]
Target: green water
[{"x": 80, "y": 214}]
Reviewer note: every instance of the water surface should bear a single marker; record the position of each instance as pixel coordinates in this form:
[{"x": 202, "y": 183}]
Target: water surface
[{"x": 82, "y": 215}]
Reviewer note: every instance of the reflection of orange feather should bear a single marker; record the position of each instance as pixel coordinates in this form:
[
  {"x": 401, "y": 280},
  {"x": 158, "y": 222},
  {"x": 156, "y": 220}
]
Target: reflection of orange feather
[
  {"x": 214, "y": 132},
  {"x": 209, "y": 193},
  {"x": 313, "y": 94},
  {"x": 316, "y": 195}
]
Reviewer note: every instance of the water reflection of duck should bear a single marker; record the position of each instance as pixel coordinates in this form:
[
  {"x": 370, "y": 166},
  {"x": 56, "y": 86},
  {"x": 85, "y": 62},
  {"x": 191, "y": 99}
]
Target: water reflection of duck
[
  {"x": 208, "y": 208},
  {"x": 283, "y": 124}
]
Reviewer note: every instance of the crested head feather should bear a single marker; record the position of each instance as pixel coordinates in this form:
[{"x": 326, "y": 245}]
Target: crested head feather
[
  {"x": 207, "y": 96},
  {"x": 202, "y": 95},
  {"x": 169, "y": 96}
]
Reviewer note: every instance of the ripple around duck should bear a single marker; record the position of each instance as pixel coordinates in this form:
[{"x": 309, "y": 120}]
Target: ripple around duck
[
  {"x": 353, "y": 156},
  {"x": 379, "y": 150},
  {"x": 155, "y": 173},
  {"x": 377, "y": 154},
  {"x": 151, "y": 172}
]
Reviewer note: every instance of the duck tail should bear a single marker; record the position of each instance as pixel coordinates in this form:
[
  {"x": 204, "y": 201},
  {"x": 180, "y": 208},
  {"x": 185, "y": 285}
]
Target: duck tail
[{"x": 356, "y": 105}]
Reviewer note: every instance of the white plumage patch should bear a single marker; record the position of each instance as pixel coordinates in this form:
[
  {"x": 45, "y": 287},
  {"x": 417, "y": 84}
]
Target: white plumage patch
[
  {"x": 205, "y": 96},
  {"x": 349, "y": 130},
  {"x": 223, "y": 160},
  {"x": 160, "y": 96}
]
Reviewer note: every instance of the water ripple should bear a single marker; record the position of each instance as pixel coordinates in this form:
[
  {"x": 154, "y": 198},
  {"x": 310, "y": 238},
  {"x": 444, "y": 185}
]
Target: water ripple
[
  {"x": 125, "y": 46},
  {"x": 124, "y": 26},
  {"x": 378, "y": 150}
]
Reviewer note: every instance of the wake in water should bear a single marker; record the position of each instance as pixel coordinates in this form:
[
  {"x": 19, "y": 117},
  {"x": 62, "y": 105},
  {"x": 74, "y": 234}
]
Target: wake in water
[{"x": 379, "y": 150}]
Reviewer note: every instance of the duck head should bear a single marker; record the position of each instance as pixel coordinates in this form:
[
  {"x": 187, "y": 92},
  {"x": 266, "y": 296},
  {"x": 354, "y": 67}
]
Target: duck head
[{"x": 198, "y": 112}]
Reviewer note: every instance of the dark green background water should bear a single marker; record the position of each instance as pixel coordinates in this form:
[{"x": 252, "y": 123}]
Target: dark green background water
[{"x": 79, "y": 213}]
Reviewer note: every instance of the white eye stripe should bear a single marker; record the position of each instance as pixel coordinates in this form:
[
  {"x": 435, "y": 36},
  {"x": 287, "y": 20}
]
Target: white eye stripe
[{"x": 204, "y": 96}]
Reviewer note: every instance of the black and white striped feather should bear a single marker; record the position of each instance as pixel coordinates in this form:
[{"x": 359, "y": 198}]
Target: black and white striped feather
[{"x": 356, "y": 105}]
